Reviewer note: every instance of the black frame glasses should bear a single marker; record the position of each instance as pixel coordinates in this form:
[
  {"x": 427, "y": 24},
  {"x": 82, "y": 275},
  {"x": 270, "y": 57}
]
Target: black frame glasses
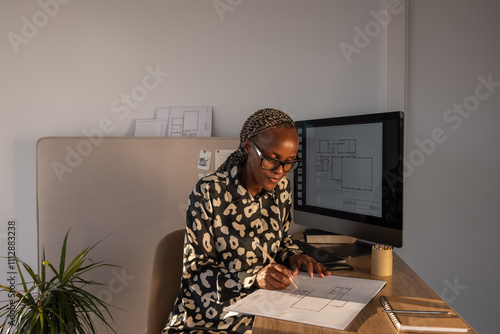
[{"x": 269, "y": 163}]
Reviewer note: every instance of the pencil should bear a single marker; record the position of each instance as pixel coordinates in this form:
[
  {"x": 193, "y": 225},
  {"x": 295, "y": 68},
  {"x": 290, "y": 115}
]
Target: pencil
[
  {"x": 271, "y": 260},
  {"x": 416, "y": 311}
]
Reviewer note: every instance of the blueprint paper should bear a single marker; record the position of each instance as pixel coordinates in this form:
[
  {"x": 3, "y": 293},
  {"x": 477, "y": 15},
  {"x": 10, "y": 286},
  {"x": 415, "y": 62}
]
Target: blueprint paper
[
  {"x": 187, "y": 121},
  {"x": 150, "y": 128},
  {"x": 332, "y": 301}
]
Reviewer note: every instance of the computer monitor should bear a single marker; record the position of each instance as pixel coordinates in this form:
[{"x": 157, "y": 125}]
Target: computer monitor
[{"x": 350, "y": 180}]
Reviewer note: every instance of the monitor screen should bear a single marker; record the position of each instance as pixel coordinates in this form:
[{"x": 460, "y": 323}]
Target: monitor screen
[{"x": 350, "y": 179}]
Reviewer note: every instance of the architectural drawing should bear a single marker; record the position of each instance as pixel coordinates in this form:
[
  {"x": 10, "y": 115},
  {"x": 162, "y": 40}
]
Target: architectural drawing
[
  {"x": 195, "y": 121},
  {"x": 331, "y": 298},
  {"x": 332, "y": 301},
  {"x": 337, "y": 159},
  {"x": 184, "y": 123}
]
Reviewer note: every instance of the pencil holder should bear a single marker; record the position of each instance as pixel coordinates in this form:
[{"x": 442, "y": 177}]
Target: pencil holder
[{"x": 381, "y": 261}]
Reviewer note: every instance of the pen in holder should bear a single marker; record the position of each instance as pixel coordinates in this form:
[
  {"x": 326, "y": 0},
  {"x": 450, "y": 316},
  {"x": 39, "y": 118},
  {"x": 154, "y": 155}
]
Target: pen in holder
[{"x": 382, "y": 260}]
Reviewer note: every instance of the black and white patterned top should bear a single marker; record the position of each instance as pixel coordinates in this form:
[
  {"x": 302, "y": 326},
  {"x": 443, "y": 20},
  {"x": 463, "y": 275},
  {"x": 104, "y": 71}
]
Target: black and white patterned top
[{"x": 221, "y": 259}]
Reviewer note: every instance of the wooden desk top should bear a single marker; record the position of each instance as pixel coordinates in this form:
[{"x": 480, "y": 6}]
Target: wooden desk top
[{"x": 403, "y": 282}]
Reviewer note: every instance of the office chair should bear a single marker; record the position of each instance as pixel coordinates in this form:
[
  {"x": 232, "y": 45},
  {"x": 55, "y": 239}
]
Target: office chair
[{"x": 165, "y": 280}]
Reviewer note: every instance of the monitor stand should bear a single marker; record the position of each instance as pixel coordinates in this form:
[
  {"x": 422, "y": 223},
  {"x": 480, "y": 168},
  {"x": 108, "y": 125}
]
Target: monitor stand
[
  {"x": 340, "y": 245},
  {"x": 346, "y": 250}
]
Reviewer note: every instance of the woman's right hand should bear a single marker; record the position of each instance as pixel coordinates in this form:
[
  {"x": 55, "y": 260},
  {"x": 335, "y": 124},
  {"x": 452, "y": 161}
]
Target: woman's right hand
[{"x": 274, "y": 276}]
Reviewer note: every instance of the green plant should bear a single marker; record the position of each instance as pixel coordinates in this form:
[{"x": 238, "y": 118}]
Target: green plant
[{"x": 56, "y": 305}]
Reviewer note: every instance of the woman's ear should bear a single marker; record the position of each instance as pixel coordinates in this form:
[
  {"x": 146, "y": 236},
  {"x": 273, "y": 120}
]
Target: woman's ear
[{"x": 246, "y": 146}]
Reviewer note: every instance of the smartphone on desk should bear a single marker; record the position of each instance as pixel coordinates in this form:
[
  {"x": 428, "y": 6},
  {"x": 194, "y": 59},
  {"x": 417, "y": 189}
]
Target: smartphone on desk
[
  {"x": 328, "y": 259},
  {"x": 342, "y": 265}
]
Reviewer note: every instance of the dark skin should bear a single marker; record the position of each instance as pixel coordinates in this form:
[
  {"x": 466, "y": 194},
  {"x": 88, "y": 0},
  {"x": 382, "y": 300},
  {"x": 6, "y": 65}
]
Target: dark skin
[{"x": 279, "y": 143}]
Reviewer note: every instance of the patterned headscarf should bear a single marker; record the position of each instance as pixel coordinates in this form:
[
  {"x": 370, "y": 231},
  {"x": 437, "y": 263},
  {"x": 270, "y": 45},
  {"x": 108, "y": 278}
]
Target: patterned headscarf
[{"x": 258, "y": 122}]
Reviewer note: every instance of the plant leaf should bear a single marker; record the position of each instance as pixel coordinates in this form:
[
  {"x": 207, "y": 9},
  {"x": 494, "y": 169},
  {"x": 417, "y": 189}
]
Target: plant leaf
[
  {"x": 62, "y": 264},
  {"x": 60, "y": 304}
]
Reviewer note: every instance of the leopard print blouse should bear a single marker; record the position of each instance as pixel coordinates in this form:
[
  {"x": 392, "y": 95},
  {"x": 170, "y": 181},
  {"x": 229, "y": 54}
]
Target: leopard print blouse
[{"x": 221, "y": 259}]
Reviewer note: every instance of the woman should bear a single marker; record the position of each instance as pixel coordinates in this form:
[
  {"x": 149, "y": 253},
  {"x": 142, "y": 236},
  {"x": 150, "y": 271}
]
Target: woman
[{"x": 244, "y": 205}]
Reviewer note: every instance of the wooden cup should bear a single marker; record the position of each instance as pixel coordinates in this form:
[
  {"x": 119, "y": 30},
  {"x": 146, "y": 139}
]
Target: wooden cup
[{"x": 381, "y": 262}]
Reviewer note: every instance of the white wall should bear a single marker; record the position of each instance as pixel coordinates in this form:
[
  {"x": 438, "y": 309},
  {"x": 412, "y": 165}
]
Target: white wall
[
  {"x": 78, "y": 66},
  {"x": 452, "y": 194},
  {"x": 68, "y": 66}
]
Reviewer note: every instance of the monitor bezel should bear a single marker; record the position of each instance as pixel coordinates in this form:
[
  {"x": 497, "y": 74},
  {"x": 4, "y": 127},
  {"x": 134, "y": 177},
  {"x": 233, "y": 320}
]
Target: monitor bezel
[{"x": 385, "y": 229}]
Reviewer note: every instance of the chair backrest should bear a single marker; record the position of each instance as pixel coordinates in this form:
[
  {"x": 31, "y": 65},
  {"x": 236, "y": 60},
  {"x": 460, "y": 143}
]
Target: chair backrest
[{"x": 165, "y": 280}]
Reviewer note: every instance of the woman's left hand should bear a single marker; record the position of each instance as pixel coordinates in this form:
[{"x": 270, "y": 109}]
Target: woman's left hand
[{"x": 307, "y": 263}]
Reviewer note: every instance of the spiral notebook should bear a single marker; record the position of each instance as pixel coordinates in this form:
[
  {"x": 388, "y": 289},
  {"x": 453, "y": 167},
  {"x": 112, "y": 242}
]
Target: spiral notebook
[{"x": 430, "y": 323}]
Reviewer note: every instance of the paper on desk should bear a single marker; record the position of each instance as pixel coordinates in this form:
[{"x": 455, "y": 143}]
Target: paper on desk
[{"x": 332, "y": 301}]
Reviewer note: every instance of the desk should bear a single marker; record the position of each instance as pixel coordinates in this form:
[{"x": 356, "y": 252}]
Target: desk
[{"x": 403, "y": 282}]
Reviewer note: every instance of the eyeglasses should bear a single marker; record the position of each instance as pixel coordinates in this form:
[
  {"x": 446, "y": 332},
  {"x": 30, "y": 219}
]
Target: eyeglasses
[{"x": 273, "y": 164}]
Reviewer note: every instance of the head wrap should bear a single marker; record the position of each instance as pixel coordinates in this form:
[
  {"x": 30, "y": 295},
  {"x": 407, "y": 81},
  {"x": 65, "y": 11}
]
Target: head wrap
[{"x": 257, "y": 123}]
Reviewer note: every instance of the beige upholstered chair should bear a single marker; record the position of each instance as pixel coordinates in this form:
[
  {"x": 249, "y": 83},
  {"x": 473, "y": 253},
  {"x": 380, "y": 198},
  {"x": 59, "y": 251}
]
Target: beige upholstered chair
[{"x": 165, "y": 280}]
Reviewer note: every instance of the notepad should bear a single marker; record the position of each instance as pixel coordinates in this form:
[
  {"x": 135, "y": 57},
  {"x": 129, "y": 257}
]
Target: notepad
[{"x": 434, "y": 323}]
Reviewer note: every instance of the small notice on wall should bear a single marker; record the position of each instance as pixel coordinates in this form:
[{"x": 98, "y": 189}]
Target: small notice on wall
[
  {"x": 221, "y": 156},
  {"x": 204, "y": 159}
]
